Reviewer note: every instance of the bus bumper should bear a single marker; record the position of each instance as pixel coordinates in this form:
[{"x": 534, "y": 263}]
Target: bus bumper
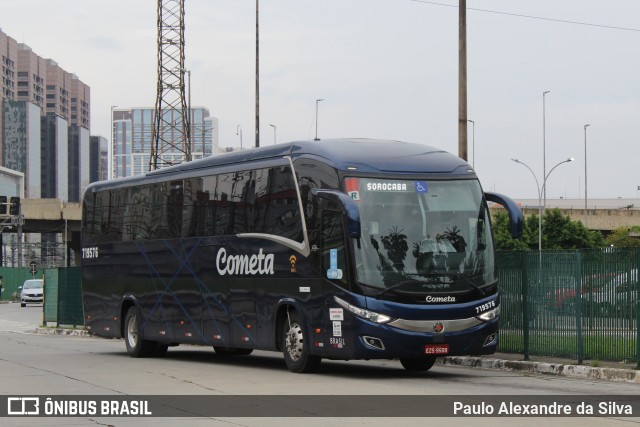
[{"x": 373, "y": 341}]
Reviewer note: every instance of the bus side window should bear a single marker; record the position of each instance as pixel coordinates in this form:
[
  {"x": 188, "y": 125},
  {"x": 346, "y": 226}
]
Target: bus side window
[
  {"x": 334, "y": 264},
  {"x": 277, "y": 210},
  {"x": 175, "y": 203}
]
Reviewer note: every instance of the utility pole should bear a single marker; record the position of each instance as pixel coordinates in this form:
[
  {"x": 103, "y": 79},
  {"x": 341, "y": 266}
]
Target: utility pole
[
  {"x": 462, "y": 80},
  {"x": 257, "y": 81}
]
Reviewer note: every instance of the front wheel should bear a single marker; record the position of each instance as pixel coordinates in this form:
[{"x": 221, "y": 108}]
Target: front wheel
[
  {"x": 295, "y": 348},
  {"x": 419, "y": 364},
  {"x": 136, "y": 346}
]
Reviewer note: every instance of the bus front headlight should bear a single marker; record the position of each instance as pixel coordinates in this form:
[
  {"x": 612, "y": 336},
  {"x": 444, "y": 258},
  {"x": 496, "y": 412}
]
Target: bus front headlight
[
  {"x": 489, "y": 315},
  {"x": 369, "y": 315}
]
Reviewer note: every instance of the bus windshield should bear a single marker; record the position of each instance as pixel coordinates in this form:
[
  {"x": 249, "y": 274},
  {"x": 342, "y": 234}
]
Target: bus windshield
[{"x": 422, "y": 236}]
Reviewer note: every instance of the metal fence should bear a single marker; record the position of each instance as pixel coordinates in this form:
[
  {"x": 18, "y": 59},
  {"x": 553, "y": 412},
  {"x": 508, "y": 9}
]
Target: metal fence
[
  {"x": 579, "y": 304},
  {"x": 63, "y": 296}
]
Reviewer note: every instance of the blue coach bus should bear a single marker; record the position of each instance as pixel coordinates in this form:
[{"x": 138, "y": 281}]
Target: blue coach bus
[{"x": 339, "y": 249}]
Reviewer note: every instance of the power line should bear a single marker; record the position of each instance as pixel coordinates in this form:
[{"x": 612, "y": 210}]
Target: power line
[{"x": 541, "y": 18}]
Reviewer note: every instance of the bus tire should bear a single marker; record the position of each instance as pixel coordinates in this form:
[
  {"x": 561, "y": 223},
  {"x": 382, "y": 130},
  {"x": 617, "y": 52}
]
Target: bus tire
[
  {"x": 230, "y": 351},
  {"x": 295, "y": 348},
  {"x": 418, "y": 364},
  {"x": 136, "y": 346}
]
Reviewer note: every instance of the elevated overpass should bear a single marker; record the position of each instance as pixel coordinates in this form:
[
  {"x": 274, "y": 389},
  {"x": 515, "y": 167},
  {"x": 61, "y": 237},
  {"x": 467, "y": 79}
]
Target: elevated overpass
[
  {"x": 601, "y": 214},
  {"x": 49, "y": 216}
]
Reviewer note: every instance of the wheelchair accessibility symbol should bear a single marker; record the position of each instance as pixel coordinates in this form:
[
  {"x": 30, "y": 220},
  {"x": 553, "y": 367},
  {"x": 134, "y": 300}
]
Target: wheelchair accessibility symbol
[{"x": 421, "y": 187}]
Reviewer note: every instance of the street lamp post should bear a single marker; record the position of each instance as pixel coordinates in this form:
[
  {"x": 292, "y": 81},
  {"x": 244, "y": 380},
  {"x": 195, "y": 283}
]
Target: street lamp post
[
  {"x": 274, "y": 133},
  {"x": 544, "y": 182},
  {"x": 239, "y": 132},
  {"x": 544, "y": 143},
  {"x": 473, "y": 142},
  {"x": 585, "y": 174},
  {"x": 317, "y": 101}
]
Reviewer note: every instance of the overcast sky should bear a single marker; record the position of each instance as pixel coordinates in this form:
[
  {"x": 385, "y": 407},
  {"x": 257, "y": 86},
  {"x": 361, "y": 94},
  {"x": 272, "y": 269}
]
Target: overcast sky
[{"x": 386, "y": 69}]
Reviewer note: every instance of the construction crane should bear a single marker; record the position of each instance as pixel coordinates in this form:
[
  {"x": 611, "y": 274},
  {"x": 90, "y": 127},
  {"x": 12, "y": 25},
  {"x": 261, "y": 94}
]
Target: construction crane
[{"x": 170, "y": 135}]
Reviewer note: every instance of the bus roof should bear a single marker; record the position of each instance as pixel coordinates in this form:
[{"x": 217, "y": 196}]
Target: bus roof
[
  {"x": 361, "y": 155},
  {"x": 370, "y": 155}
]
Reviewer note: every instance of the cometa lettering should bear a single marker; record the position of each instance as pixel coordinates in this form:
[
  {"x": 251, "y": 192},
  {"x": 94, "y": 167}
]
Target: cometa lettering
[
  {"x": 244, "y": 264},
  {"x": 440, "y": 299},
  {"x": 386, "y": 186}
]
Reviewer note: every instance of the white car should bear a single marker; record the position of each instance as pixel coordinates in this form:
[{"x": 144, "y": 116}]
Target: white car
[{"x": 32, "y": 292}]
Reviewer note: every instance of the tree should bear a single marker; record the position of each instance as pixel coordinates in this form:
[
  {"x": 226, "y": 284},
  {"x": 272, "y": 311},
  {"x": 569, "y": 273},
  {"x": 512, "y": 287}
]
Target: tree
[
  {"x": 620, "y": 238},
  {"x": 503, "y": 238},
  {"x": 558, "y": 232}
]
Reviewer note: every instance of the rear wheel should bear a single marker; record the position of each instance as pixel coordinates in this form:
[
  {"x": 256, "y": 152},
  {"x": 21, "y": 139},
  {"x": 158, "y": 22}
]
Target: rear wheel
[
  {"x": 136, "y": 346},
  {"x": 419, "y": 364},
  {"x": 295, "y": 348}
]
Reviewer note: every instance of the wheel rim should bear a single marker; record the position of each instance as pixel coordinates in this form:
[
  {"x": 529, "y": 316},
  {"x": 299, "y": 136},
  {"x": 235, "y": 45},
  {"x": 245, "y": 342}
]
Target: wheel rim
[
  {"x": 132, "y": 331},
  {"x": 294, "y": 342}
]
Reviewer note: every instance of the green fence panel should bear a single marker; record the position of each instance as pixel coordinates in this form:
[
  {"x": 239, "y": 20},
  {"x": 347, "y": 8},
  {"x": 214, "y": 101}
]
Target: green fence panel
[
  {"x": 510, "y": 279},
  {"x": 609, "y": 304},
  {"x": 51, "y": 291},
  {"x": 12, "y": 279},
  {"x": 70, "y": 310},
  {"x": 579, "y": 304}
]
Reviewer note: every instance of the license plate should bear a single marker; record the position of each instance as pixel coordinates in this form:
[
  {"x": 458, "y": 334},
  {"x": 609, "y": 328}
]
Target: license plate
[{"x": 436, "y": 349}]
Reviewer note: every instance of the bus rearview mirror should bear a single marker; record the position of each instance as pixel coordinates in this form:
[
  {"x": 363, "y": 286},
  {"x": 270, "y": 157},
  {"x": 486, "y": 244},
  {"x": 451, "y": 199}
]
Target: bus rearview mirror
[{"x": 347, "y": 205}]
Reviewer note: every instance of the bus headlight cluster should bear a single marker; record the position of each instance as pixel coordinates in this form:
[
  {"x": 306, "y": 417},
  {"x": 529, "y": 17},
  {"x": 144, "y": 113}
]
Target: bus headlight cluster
[
  {"x": 489, "y": 315},
  {"x": 369, "y": 315}
]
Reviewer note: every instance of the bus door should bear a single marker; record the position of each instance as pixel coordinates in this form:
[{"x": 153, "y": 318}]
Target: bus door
[{"x": 334, "y": 270}]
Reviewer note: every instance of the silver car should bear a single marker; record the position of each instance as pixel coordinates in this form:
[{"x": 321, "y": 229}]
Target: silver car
[{"x": 32, "y": 292}]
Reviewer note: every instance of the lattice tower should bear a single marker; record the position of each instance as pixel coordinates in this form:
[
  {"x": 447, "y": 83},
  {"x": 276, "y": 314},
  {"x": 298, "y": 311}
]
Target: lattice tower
[{"x": 170, "y": 139}]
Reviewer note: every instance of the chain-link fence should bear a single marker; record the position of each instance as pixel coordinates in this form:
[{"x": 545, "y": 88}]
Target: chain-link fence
[{"x": 580, "y": 304}]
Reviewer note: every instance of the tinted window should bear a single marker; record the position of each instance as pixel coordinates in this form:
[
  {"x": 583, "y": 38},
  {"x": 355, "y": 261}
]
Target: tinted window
[{"x": 276, "y": 204}]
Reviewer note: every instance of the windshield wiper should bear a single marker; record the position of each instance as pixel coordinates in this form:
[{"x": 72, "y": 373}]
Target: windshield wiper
[
  {"x": 468, "y": 281},
  {"x": 398, "y": 285}
]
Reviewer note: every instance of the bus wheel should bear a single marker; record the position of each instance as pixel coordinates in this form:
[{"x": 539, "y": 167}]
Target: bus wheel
[
  {"x": 224, "y": 351},
  {"x": 136, "y": 346},
  {"x": 420, "y": 364},
  {"x": 294, "y": 347}
]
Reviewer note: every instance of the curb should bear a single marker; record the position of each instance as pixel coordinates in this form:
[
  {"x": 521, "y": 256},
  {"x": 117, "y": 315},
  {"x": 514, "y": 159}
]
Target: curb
[
  {"x": 63, "y": 331},
  {"x": 558, "y": 369}
]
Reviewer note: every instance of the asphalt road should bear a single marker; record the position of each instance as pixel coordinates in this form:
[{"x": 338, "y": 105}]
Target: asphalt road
[{"x": 36, "y": 364}]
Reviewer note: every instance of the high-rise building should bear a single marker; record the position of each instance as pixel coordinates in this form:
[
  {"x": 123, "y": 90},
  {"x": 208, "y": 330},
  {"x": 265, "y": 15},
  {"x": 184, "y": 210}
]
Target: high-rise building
[
  {"x": 78, "y": 160},
  {"x": 99, "y": 159},
  {"x": 55, "y": 157},
  {"x": 21, "y": 145},
  {"x": 32, "y": 86},
  {"x": 131, "y": 139},
  {"x": 31, "y": 75}
]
